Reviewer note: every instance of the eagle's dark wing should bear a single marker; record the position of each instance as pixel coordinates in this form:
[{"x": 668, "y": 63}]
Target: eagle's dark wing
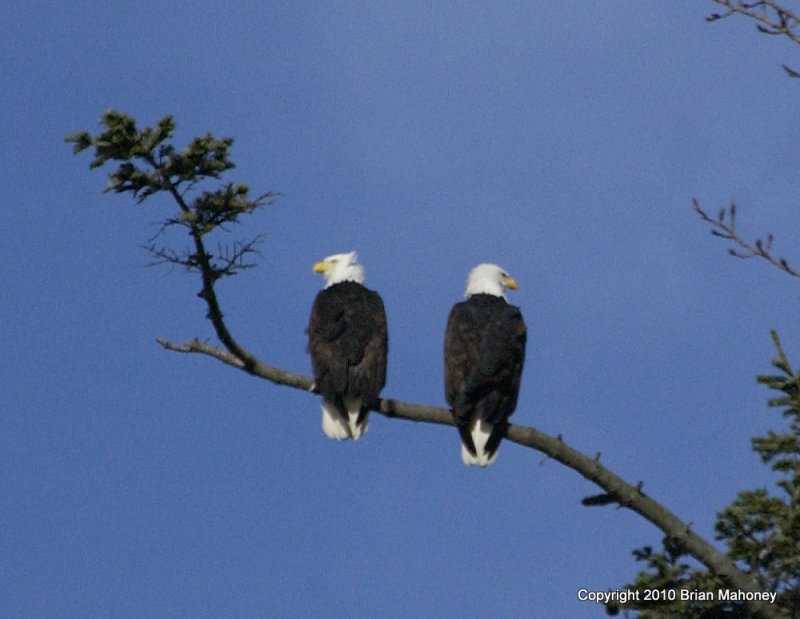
[
  {"x": 484, "y": 355},
  {"x": 348, "y": 342}
]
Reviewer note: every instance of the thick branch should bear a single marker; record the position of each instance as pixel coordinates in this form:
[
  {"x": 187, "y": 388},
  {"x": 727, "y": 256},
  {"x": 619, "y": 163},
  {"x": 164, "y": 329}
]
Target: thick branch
[
  {"x": 208, "y": 294},
  {"x": 624, "y": 493},
  {"x": 214, "y": 312}
]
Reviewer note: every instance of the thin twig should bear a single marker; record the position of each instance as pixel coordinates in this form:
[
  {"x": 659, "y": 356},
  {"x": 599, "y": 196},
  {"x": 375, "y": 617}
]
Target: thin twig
[
  {"x": 770, "y": 17},
  {"x": 724, "y": 226}
]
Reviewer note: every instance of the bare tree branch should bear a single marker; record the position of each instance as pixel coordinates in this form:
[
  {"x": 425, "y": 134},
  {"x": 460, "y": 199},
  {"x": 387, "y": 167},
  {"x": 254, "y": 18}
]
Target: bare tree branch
[
  {"x": 616, "y": 489},
  {"x": 770, "y": 17},
  {"x": 724, "y": 226},
  {"x": 273, "y": 374}
]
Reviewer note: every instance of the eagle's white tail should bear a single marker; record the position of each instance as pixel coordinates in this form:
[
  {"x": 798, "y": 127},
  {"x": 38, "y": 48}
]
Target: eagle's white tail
[
  {"x": 339, "y": 426},
  {"x": 333, "y": 424},
  {"x": 480, "y": 432},
  {"x": 353, "y": 411}
]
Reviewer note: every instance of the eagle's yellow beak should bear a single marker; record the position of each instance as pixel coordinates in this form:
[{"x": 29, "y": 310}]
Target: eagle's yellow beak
[
  {"x": 320, "y": 267},
  {"x": 511, "y": 283}
]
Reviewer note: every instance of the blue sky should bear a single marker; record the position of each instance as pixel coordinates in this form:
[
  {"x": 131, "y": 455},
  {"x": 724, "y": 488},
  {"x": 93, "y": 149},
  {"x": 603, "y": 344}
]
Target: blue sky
[{"x": 564, "y": 142}]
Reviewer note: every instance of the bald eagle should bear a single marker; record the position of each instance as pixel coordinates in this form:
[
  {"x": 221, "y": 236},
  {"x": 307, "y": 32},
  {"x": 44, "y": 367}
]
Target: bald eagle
[
  {"x": 348, "y": 344},
  {"x": 484, "y": 350}
]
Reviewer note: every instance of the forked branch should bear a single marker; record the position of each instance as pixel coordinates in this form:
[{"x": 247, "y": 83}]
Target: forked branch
[
  {"x": 771, "y": 18},
  {"x": 724, "y": 226}
]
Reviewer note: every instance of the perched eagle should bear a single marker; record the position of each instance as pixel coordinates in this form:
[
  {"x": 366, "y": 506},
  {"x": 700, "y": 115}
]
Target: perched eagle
[
  {"x": 484, "y": 350},
  {"x": 348, "y": 344}
]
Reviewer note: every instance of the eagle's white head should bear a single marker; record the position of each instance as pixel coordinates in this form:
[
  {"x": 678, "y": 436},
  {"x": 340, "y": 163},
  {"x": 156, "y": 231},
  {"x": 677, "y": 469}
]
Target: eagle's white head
[
  {"x": 489, "y": 279},
  {"x": 340, "y": 268}
]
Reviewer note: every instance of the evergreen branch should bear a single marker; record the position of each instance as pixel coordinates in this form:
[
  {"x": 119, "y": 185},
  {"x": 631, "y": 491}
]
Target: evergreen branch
[
  {"x": 760, "y": 530},
  {"x": 782, "y": 362},
  {"x": 149, "y": 165}
]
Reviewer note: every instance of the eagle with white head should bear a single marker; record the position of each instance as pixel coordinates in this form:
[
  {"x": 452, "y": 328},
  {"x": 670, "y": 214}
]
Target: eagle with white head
[
  {"x": 484, "y": 351},
  {"x": 348, "y": 344}
]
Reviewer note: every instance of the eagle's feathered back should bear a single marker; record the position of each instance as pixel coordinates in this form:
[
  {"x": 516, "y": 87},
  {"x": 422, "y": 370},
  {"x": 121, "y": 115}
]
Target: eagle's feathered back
[
  {"x": 484, "y": 354},
  {"x": 348, "y": 344}
]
